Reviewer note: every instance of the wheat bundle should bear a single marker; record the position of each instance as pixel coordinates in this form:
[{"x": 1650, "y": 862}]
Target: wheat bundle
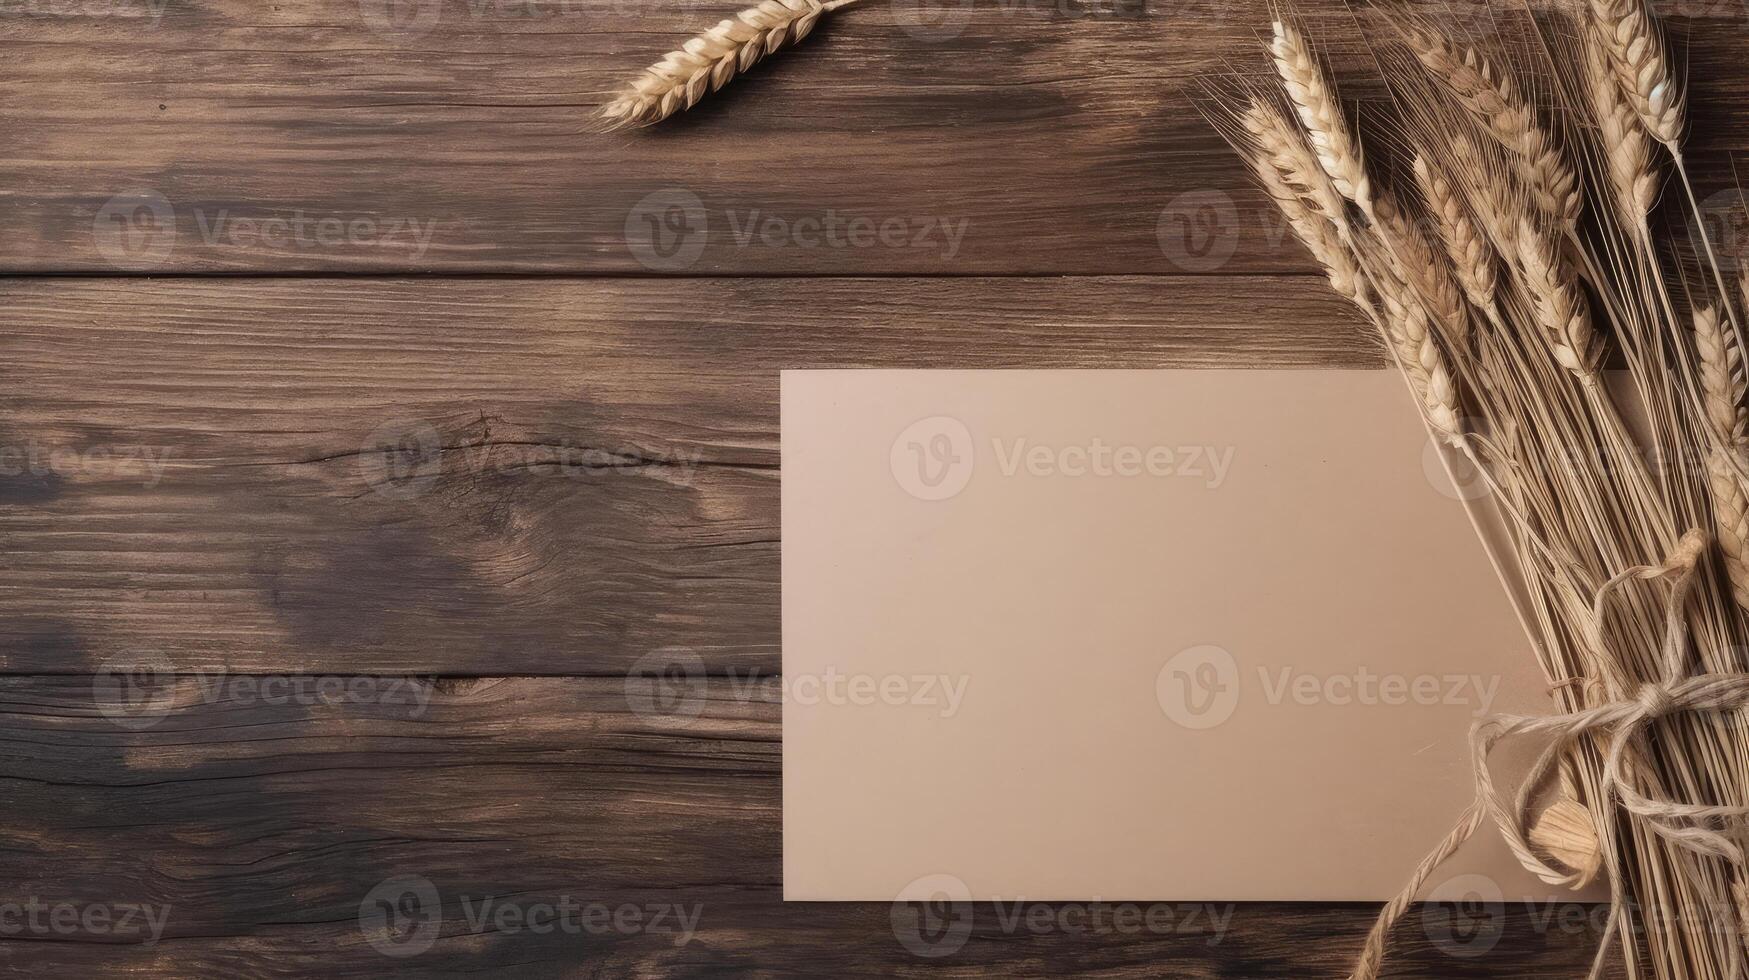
[{"x": 1628, "y": 543}]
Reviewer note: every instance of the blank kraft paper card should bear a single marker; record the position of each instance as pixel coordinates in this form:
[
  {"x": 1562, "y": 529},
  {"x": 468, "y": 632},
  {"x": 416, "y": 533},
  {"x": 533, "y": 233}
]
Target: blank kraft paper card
[{"x": 1131, "y": 635}]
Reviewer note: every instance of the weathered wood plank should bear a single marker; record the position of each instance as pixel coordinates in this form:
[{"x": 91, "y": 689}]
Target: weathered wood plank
[
  {"x": 256, "y": 826},
  {"x": 483, "y": 476},
  {"x": 917, "y": 137}
]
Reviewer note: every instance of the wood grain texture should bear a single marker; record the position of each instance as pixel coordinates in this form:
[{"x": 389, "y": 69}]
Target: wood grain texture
[
  {"x": 912, "y": 137},
  {"x": 486, "y": 476},
  {"x": 256, "y": 829}
]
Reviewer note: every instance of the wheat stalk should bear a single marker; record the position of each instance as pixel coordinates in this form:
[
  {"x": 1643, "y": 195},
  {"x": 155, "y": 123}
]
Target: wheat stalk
[
  {"x": 1314, "y": 99},
  {"x": 711, "y": 60},
  {"x": 1494, "y": 99}
]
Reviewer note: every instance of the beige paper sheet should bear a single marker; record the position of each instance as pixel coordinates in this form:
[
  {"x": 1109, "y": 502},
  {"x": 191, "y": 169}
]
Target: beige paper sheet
[{"x": 1157, "y": 635}]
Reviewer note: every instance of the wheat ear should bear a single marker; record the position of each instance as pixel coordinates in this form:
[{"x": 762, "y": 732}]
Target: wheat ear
[
  {"x": 1419, "y": 266},
  {"x": 1293, "y": 179},
  {"x": 1561, "y": 309},
  {"x": 1494, "y": 99},
  {"x": 1472, "y": 257},
  {"x": 1721, "y": 378},
  {"x": 1314, "y": 99},
  {"x": 1623, "y": 140},
  {"x": 709, "y": 61},
  {"x": 1723, "y": 388},
  {"x": 1637, "y": 51},
  {"x": 1423, "y": 361}
]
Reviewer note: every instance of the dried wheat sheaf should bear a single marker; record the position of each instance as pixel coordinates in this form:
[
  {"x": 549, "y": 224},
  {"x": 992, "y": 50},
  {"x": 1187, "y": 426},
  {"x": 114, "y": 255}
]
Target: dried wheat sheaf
[{"x": 1512, "y": 257}]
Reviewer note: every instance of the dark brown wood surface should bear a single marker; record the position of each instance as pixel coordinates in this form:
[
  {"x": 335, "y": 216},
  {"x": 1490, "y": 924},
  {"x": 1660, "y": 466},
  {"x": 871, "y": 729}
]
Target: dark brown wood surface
[
  {"x": 319, "y": 574},
  {"x": 1054, "y": 136}
]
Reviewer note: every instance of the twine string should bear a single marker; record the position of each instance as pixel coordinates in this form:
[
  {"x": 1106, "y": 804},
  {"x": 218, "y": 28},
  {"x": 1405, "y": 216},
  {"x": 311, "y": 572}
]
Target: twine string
[{"x": 1689, "y": 826}]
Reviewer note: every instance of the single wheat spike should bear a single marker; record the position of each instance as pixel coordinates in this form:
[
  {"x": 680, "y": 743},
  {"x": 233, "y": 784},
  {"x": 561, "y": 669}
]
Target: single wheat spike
[
  {"x": 1416, "y": 262},
  {"x": 1493, "y": 98},
  {"x": 1491, "y": 191},
  {"x": 1314, "y": 99},
  {"x": 1722, "y": 380},
  {"x": 1625, "y": 145},
  {"x": 1642, "y": 65},
  {"x": 1279, "y": 142},
  {"x": 1561, "y": 310},
  {"x": 1723, "y": 387},
  {"x": 1731, "y": 520},
  {"x": 1419, "y": 354},
  {"x": 1471, "y": 256},
  {"x": 709, "y": 61},
  {"x": 1316, "y": 232}
]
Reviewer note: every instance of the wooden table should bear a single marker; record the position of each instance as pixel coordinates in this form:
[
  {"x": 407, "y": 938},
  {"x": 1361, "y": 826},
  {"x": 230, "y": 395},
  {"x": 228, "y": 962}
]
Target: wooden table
[{"x": 367, "y": 422}]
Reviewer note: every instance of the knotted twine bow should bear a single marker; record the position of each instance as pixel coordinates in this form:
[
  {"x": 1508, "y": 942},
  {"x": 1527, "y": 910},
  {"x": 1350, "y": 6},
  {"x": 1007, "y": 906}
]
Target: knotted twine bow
[{"x": 1692, "y": 827}]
